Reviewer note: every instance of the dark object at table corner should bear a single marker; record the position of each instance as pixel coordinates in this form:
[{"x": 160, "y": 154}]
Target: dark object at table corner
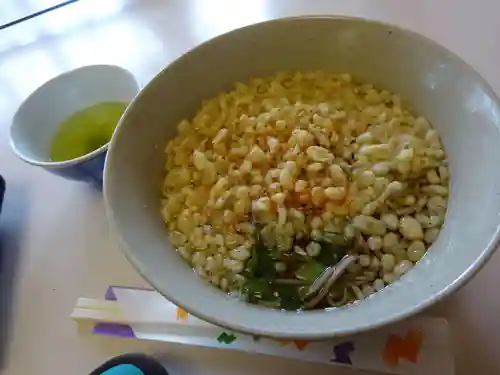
[
  {"x": 147, "y": 364},
  {"x": 2, "y": 191}
]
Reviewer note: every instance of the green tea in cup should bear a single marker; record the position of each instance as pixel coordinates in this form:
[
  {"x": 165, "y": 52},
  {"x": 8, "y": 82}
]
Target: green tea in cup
[{"x": 86, "y": 130}]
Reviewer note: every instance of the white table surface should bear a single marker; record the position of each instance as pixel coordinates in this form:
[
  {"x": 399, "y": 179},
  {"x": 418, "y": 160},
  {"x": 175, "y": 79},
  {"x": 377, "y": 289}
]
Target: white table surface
[{"x": 58, "y": 246}]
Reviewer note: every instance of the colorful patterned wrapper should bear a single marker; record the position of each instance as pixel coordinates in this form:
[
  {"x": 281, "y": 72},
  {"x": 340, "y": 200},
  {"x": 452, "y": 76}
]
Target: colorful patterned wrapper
[{"x": 417, "y": 346}]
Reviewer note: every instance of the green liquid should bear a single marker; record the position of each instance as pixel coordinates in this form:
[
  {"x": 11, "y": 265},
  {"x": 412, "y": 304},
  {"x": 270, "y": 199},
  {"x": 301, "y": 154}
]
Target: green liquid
[{"x": 86, "y": 130}]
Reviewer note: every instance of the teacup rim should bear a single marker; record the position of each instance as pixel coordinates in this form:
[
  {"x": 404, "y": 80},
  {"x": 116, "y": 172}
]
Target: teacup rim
[{"x": 60, "y": 164}]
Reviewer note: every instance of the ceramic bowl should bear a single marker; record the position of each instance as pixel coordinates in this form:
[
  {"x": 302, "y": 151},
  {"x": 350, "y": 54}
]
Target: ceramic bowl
[
  {"x": 38, "y": 117},
  {"x": 435, "y": 82}
]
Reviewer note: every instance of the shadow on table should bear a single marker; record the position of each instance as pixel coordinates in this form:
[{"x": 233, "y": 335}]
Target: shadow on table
[{"x": 12, "y": 221}]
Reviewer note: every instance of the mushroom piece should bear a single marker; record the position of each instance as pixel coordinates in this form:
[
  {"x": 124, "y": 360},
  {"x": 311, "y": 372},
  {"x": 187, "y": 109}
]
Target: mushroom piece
[
  {"x": 324, "y": 283},
  {"x": 336, "y": 303},
  {"x": 319, "y": 282}
]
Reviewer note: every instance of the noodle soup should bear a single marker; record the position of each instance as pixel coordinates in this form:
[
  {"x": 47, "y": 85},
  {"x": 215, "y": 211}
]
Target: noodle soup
[{"x": 304, "y": 190}]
